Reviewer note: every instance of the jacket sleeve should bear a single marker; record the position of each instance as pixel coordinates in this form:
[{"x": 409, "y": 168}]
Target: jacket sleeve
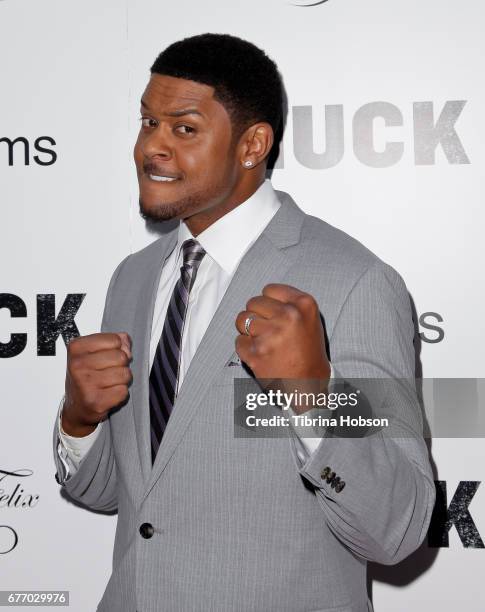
[
  {"x": 94, "y": 482},
  {"x": 383, "y": 508}
]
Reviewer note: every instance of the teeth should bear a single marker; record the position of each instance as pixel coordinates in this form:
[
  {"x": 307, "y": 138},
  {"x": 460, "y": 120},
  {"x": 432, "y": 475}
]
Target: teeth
[{"x": 161, "y": 179}]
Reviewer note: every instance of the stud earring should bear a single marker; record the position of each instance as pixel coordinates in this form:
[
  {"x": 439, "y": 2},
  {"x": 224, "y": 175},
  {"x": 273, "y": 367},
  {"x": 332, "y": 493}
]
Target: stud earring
[{"x": 248, "y": 163}]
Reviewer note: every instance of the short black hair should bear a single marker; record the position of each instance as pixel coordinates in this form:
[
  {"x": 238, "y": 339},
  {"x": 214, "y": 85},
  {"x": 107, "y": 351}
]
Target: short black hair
[{"x": 246, "y": 81}]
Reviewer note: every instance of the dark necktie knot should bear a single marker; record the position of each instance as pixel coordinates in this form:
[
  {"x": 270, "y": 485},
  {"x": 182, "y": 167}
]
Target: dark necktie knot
[{"x": 193, "y": 253}]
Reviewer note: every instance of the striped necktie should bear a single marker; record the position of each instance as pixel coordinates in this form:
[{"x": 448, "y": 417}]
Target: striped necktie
[{"x": 166, "y": 363}]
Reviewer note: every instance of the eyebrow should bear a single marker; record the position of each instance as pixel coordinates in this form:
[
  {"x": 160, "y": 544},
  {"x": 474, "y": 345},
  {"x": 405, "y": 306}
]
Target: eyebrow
[{"x": 177, "y": 113}]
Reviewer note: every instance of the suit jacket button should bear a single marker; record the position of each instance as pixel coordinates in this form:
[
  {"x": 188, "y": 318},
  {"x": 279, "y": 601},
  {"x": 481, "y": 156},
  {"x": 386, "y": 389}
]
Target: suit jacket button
[
  {"x": 147, "y": 530},
  {"x": 335, "y": 482},
  {"x": 330, "y": 477},
  {"x": 325, "y": 472},
  {"x": 340, "y": 486}
]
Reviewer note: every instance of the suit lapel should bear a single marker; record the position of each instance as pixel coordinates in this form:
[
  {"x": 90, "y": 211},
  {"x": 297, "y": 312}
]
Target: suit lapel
[{"x": 266, "y": 262}]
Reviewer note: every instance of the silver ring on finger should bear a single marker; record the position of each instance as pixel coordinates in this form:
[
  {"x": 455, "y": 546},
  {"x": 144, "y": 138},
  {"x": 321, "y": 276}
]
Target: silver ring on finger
[{"x": 247, "y": 323}]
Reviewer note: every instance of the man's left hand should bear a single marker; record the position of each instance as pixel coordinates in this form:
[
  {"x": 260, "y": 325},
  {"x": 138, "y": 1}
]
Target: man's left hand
[{"x": 286, "y": 337}]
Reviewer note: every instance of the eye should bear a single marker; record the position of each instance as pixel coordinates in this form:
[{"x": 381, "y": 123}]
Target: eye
[
  {"x": 186, "y": 129},
  {"x": 148, "y": 122}
]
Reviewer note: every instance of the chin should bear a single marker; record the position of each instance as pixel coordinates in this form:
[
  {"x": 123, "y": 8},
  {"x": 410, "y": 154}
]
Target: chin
[
  {"x": 159, "y": 211},
  {"x": 153, "y": 208}
]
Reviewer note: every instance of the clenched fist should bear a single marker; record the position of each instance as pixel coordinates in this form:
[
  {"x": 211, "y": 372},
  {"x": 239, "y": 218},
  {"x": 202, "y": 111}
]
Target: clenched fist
[
  {"x": 286, "y": 337},
  {"x": 97, "y": 379}
]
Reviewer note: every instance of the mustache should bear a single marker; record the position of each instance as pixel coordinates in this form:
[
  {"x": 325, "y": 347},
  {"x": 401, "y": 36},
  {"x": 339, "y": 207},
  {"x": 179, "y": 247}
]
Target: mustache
[{"x": 151, "y": 168}]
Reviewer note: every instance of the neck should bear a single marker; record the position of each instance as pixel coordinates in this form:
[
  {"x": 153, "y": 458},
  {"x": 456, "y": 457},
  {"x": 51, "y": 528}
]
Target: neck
[{"x": 200, "y": 221}]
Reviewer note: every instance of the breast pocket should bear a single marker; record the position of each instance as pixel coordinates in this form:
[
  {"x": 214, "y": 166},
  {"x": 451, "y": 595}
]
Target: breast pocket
[{"x": 233, "y": 370}]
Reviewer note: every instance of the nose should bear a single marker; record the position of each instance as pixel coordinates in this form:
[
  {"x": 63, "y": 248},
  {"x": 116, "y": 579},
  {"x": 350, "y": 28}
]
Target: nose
[{"x": 156, "y": 142}]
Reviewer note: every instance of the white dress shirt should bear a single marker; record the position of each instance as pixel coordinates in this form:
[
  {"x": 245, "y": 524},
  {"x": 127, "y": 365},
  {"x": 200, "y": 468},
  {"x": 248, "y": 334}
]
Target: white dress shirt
[{"x": 226, "y": 242}]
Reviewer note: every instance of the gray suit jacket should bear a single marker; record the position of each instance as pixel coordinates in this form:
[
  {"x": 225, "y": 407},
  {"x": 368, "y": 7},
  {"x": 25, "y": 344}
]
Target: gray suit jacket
[{"x": 243, "y": 524}]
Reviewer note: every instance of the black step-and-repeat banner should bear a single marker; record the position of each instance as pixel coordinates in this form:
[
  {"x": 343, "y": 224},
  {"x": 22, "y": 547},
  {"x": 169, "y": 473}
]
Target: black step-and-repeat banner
[{"x": 384, "y": 139}]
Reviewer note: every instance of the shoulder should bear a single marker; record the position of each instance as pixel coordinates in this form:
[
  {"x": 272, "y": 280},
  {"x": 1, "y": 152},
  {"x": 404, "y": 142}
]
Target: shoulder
[
  {"x": 320, "y": 239},
  {"x": 323, "y": 244},
  {"x": 324, "y": 251}
]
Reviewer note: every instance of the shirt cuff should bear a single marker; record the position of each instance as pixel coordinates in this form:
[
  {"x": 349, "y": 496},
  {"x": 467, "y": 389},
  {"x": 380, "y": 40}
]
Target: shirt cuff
[
  {"x": 76, "y": 448},
  {"x": 307, "y": 446}
]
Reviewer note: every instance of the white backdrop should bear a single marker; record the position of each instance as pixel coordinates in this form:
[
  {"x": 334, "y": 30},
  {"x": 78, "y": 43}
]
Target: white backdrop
[{"x": 71, "y": 77}]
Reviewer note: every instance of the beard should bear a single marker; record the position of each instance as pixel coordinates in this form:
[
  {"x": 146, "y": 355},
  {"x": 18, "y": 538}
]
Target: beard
[
  {"x": 185, "y": 206},
  {"x": 179, "y": 209},
  {"x": 167, "y": 210}
]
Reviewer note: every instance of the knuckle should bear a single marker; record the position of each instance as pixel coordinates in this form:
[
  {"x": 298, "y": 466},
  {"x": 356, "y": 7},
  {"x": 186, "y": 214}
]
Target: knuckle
[
  {"x": 73, "y": 345},
  {"x": 121, "y": 357},
  {"x": 74, "y": 363},
  {"x": 250, "y": 303},
  {"x": 306, "y": 301},
  {"x": 91, "y": 400},
  {"x": 117, "y": 341},
  {"x": 121, "y": 393},
  {"x": 292, "y": 313},
  {"x": 260, "y": 349}
]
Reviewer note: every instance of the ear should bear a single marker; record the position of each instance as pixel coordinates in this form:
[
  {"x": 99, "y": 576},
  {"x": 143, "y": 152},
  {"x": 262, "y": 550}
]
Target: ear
[{"x": 255, "y": 144}]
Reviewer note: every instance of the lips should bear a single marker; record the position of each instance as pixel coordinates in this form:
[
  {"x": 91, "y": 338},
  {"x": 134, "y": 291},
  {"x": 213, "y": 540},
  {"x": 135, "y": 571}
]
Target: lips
[
  {"x": 161, "y": 179},
  {"x": 159, "y": 175}
]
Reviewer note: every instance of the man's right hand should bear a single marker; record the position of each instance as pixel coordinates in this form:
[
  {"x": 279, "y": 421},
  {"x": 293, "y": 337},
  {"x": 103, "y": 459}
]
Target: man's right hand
[{"x": 97, "y": 379}]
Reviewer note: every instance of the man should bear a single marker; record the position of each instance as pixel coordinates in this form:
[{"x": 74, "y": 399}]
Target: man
[{"x": 208, "y": 520}]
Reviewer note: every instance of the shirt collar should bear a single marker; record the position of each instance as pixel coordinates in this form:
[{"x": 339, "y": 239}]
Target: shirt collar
[{"x": 230, "y": 237}]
